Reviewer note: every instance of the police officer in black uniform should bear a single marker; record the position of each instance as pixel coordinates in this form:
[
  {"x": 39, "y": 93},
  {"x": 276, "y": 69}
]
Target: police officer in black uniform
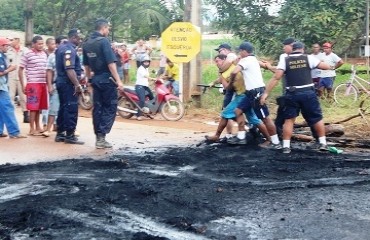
[
  {"x": 99, "y": 58},
  {"x": 300, "y": 95},
  {"x": 68, "y": 68}
]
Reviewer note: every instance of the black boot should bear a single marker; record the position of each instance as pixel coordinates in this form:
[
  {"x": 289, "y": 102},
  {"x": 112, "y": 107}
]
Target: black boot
[
  {"x": 101, "y": 142},
  {"x": 60, "y": 137},
  {"x": 26, "y": 117},
  {"x": 72, "y": 139}
]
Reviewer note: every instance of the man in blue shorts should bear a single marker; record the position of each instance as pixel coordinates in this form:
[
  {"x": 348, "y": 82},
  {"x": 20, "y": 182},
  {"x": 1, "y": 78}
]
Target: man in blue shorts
[
  {"x": 250, "y": 68},
  {"x": 238, "y": 89},
  {"x": 300, "y": 93},
  {"x": 327, "y": 77}
]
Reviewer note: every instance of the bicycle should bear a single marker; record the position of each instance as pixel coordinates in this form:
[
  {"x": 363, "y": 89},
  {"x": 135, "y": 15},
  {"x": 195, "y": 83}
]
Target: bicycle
[
  {"x": 363, "y": 112},
  {"x": 348, "y": 93}
]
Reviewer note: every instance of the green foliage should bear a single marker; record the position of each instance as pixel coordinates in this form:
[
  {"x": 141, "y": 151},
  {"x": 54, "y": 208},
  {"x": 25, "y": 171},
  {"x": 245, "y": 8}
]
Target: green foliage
[
  {"x": 209, "y": 46},
  {"x": 130, "y": 19},
  {"x": 209, "y": 73},
  {"x": 11, "y": 13},
  {"x": 338, "y": 21}
]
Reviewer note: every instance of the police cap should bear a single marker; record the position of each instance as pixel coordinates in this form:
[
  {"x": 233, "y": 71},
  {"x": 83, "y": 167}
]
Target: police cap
[
  {"x": 223, "y": 45},
  {"x": 297, "y": 45},
  {"x": 247, "y": 46},
  {"x": 288, "y": 41}
]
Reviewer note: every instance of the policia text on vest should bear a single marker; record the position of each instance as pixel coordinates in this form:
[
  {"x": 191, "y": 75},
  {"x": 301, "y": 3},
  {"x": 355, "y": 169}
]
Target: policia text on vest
[{"x": 298, "y": 64}]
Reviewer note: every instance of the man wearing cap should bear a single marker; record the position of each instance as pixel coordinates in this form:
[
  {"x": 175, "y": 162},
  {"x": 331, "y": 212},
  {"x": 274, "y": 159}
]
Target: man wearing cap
[
  {"x": 68, "y": 69},
  {"x": 327, "y": 77},
  {"x": 300, "y": 93},
  {"x": 14, "y": 55},
  {"x": 33, "y": 62},
  {"x": 7, "y": 116},
  {"x": 231, "y": 57},
  {"x": 250, "y": 68},
  {"x": 238, "y": 89},
  {"x": 99, "y": 58},
  {"x": 279, "y": 120}
]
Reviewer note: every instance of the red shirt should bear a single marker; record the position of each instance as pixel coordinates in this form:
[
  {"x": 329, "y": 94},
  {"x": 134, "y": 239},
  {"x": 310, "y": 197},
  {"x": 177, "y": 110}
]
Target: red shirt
[{"x": 125, "y": 57}]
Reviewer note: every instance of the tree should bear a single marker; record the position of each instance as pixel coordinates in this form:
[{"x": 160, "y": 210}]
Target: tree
[
  {"x": 130, "y": 19},
  {"x": 338, "y": 21},
  {"x": 11, "y": 16}
]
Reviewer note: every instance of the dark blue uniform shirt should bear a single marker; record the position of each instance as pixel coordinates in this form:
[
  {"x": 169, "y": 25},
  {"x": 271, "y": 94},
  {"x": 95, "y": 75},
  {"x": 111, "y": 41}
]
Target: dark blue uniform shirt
[
  {"x": 97, "y": 57},
  {"x": 66, "y": 58}
]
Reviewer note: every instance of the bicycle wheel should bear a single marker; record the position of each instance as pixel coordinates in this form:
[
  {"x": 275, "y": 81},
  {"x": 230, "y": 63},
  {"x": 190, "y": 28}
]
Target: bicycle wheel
[
  {"x": 364, "y": 109},
  {"x": 345, "y": 94}
]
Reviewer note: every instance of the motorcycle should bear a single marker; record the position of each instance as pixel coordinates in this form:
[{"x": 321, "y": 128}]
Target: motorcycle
[
  {"x": 170, "y": 106},
  {"x": 85, "y": 99}
]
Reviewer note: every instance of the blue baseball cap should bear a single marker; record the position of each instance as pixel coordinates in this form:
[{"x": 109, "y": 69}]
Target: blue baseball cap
[
  {"x": 288, "y": 41},
  {"x": 247, "y": 46},
  {"x": 297, "y": 45},
  {"x": 223, "y": 45}
]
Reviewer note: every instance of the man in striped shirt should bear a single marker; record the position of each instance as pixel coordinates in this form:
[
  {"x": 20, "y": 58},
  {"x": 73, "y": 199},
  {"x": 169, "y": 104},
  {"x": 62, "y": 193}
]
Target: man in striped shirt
[{"x": 34, "y": 64}]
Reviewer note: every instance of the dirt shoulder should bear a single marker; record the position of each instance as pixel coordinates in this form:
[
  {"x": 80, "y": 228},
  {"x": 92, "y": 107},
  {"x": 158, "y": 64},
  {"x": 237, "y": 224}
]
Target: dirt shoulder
[{"x": 126, "y": 134}]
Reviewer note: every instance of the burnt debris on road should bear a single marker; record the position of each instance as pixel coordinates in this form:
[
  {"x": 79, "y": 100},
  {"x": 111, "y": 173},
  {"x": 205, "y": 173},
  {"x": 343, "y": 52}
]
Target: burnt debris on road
[{"x": 205, "y": 192}]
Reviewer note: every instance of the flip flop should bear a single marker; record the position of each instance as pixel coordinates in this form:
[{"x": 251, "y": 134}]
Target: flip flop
[{"x": 35, "y": 134}]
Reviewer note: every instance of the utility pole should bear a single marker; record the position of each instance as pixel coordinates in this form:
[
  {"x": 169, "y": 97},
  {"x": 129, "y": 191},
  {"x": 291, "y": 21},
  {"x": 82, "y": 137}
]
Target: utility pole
[
  {"x": 28, "y": 18},
  {"x": 192, "y": 70}
]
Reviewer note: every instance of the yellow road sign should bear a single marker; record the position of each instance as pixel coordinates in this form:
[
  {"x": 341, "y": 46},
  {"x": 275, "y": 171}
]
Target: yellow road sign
[{"x": 181, "y": 41}]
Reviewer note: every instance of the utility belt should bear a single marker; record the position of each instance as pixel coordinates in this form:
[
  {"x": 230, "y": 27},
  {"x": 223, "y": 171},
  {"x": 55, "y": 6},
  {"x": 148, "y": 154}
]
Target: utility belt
[
  {"x": 102, "y": 77},
  {"x": 254, "y": 95},
  {"x": 303, "y": 88},
  {"x": 255, "y": 92}
]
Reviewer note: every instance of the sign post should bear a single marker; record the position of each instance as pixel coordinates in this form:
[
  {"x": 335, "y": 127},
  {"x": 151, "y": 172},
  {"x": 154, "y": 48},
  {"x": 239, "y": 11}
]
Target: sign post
[{"x": 181, "y": 43}]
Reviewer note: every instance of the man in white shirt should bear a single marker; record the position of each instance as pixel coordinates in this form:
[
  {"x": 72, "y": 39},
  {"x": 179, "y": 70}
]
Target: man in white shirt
[
  {"x": 250, "y": 68},
  {"x": 327, "y": 77},
  {"x": 300, "y": 93}
]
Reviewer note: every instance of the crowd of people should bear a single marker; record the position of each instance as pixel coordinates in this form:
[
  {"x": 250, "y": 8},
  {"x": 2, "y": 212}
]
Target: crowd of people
[
  {"x": 46, "y": 78},
  {"x": 305, "y": 79},
  {"x": 47, "y": 82}
]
